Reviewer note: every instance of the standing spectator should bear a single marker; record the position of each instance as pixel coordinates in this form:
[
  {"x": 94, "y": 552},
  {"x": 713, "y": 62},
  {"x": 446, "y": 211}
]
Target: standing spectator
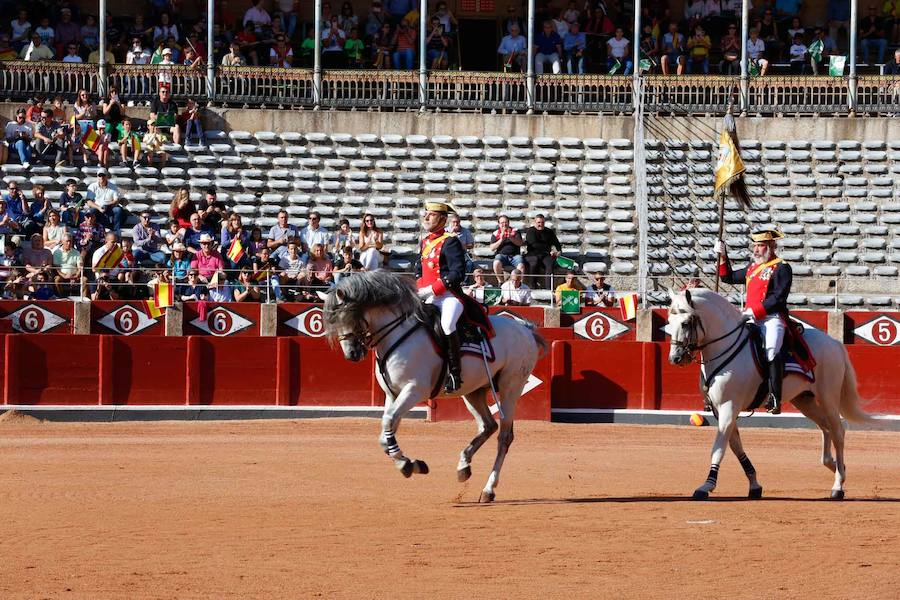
[
  {"x": 68, "y": 263},
  {"x": 165, "y": 29},
  {"x": 672, "y": 50},
  {"x": 731, "y": 52},
  {"x": 18, "y": 135},
  {"x": 281, "y": 55},
  {"x": 343, "y": 237},
  {"x": 600, "y": 293},
  {"x": 798, "y": 56},
  {"x": 513, "y": 292},
  {"x": 192, "y": 123},
  {"x": 103, "y": 197},
  {"x": 129, "y": 144},
  {"x": 574, "y": 44},
  {"x": 698, "y": 47},
  {"x": 54, "y": 230},
  {"x": 67, "y": 30},
  {"x": 146, "y": 241},
  {"x": 36, "y": 51},
  {"x": 354, "y": 49},
  {"x": 383, "y": 44},
  {"x": 542, "y": 249},
  {"x": 447, "y": 19},
  {"x": 371, "y": 241},
  {"x": 512, "y": 49},
  {"x": 164, "y": 112},
  {"x": 182, "y": 208},
  {"x": 52, "y": 137},
  {"x": 768, "y": 33},
  {"x": 838, "y": 18},
  {"x": 506, "y": 244},
  {"x": 756, "y": 50},
  {"x": 618, "y": 53},
  {"x": 208, "y": 261},
  {"x": 436, "y": 45},
  {"x": 872, "y": 34},
  {"x": 333, "y": 38},
  {"x": 90, "y": 33},
  {"x": 312, "y": 234},
  {"x": 257, "y": 16},
  {"x": 547, "y": 48},
  {"x": 281, "y": 234},
  {"x": 404, "y": 44}
]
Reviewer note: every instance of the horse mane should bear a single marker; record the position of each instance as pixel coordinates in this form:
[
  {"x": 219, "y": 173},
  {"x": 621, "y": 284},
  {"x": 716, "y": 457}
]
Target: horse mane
[
  {"x": 714, "y": 300},
  {"x": 345, "y": 305}
]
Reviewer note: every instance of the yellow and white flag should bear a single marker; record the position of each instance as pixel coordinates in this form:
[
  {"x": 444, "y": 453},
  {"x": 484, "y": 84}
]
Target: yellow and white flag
[{"x": 729, "y": 167}]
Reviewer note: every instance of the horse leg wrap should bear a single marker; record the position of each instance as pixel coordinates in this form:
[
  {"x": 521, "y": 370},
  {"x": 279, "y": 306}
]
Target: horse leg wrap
[
  {"x": 749, "y": 471},
  {"x": 713, "y": 476},
  {"x": 389, "y": 444}
]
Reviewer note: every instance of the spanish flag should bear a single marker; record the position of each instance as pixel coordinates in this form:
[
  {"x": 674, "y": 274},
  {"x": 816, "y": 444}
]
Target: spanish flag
[
  {"x": 730, "y": 166},
  {"x": 628, "y": 305},
  {"x": 91, "y": 139},
  {"x": 260, "y": 275},
  {"x": 111, "y": 259},
  {"x": 151, "y": 309},
  {"x": 164, "y": 294},
  {"x": 235, "y": 250}
]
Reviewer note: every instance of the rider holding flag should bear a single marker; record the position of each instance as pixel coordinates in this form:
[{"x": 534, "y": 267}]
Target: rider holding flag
[
  {"x": 441, "y": 272},
  {"x": 768, "y": 280}
]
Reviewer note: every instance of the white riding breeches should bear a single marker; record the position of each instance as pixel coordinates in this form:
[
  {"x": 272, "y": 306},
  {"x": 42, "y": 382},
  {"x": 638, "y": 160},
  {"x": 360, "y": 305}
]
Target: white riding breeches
[
  {"x": 773, "y": 334},
  {"x": 451, "y": 310}
]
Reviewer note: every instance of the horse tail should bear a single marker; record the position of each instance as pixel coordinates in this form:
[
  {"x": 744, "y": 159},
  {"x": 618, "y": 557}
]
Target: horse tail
[{"x": 850, "y": 401}]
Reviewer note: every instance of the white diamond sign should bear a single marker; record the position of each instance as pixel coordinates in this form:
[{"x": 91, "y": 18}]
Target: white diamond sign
[
  {"x": 32, "y": 318},
  {"x": 883, "y": 331},
  {"x": 221, "y": 322},
  {"x": 310, "y": 322},
  {"x": 126, "y": 320},
  {"x": 598, "y": 327}
]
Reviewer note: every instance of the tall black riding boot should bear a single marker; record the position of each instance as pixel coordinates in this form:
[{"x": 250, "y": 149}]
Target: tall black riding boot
[
  {"x": 454, "y": 367},
  {"x": 776, "y": 377}
]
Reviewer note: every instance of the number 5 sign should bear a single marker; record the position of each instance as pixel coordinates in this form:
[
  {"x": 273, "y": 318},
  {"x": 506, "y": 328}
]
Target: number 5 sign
[{"x": 882, "y": 331}]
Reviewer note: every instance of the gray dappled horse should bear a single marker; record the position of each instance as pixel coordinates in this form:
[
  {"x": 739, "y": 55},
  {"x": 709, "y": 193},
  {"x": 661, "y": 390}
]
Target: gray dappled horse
[{"x": 380, "y": 311}]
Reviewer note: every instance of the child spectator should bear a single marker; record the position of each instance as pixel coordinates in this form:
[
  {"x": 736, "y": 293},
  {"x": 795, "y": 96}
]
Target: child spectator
[
  {"x": 353, "y": 49},
  {"x": 99, "y": 145},
  {"x": 698, "y": 46},
  {"x": 129, "y": 144},
  {"x": 179, "y": 263},
  {"x": 153, "y": 145},
  {"x": 308, "y": 48},
  {"x": 798, "y": 55},
  {"x": 190, "y": 120},
  {"x": 436, "y": 45},
  {"x": 71, "y": 203}
]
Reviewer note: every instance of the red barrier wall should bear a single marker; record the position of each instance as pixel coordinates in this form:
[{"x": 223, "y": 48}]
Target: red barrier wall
[
  {"x": 51, "y": 369},
  {"x": 144, "y": 370}
]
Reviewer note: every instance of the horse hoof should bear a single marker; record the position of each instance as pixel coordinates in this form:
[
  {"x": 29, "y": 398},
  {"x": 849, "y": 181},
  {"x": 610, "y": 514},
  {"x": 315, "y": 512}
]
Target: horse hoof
[
  {"x": 755, "y": 493},
  {"x": 407, "y": 468},
  {"x": 837, "y": 494},
  {"x": 463, "y": 474},
  {"x": 486, "y": 497},
  {"x": 420, "y": 467},
  {"x": 700, "y": 495}
]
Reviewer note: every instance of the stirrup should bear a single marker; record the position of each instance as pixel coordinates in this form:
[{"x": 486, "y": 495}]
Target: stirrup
[
  {"x": 773, "y": 405},
  {"x": 453, "y": 383}
]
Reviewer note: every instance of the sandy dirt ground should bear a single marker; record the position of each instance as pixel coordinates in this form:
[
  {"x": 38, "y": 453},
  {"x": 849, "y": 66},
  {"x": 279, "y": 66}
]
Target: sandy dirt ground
[{"x": 313, "y": 509}]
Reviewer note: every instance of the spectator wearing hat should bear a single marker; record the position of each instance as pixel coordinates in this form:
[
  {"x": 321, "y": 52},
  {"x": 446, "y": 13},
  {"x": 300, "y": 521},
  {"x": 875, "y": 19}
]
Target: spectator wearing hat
[
  {"x": 600, "y": 293},
  {"x": 208, "y": 261},
  {"x": 164, "y": 113},
  {"x": 146, "y": 241},
  {"x": 180, "y": 262},
  {"x": 101, "y": 146},
  {"x": 68, "y": 262},
  {"x": 17, "y": 136},
  {"x": 103, "y": 196}
]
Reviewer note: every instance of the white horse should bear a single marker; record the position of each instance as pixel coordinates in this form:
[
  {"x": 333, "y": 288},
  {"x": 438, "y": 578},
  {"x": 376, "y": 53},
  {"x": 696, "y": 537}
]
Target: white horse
[
  {"x": 702, "y": 320},
  {"x": 380, "y": 310}
]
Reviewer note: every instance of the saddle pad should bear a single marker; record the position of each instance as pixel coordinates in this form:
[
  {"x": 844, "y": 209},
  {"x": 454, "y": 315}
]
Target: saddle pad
[
  {"x": 475, "y": 349},
  {"x": 790, "y": 361}
]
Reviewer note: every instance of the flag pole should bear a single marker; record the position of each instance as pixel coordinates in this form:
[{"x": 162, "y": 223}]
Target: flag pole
[{"x": 721, "y": 232}]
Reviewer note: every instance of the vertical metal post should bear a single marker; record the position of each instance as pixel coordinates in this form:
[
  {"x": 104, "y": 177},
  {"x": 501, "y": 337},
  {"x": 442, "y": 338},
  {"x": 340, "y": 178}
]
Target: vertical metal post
[
  {"x": 851, "y": 83},
  {"x": 640, "y": 190},
  {"x": 529, "y": 74},
  {"x": 745, "y": 71},
  {"x": 317, "y": 56},
  {"x": 636, "y": 53},
  {"x": 423, "y": 66},
  {"x": 101, "y": 81},
  {"x": 210, "y": 54}
]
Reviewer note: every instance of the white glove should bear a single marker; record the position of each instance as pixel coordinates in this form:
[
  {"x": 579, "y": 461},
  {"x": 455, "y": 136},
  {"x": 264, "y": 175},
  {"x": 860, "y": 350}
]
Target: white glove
[
  {"x": 719, "y": 247},
  {"x": 425, "y": 293},
  {"x": 748, "y": 314}
]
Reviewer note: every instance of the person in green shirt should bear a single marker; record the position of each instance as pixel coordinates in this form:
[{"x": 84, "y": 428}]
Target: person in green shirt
[
  {"x": 353, "y": 48},
  {"x": 308, "y": 48}
]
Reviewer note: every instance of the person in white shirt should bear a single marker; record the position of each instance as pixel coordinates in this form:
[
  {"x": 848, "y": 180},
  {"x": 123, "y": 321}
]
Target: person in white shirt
[
  {"x": 112, "y": 241},
  {"x": 20, "y": 28},
  {"x": 618, "y": 49},
  {"x": 756, "y": 49},
  {"x": 513, "y": 292},
  {"x": 72, "y": 54},
  {"x": 137, "y": 55},
  {"x": 103, "y": 197},
  {"x": 312, "y": 234},
  {"x": 798, "y": 55},
  {"x": 257, "y": 15},
  {"x": 48, "y": 36}
]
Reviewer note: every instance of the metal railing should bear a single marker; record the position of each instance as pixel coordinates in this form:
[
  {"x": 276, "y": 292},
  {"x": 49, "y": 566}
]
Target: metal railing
[{"x": 458, "y": 90}]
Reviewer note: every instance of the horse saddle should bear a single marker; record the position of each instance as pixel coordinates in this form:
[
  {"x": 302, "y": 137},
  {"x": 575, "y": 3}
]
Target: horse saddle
[
  {"x": 797, "y": 357},
  {"x": 471, "y": 340}
]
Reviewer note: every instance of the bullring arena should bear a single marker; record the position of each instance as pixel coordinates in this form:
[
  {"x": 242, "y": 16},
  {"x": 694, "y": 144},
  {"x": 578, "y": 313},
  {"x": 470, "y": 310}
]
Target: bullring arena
[{"x": 213, "y": 443}]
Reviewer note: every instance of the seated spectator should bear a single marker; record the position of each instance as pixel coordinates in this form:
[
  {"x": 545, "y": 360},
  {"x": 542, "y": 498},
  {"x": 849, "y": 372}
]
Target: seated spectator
[
  {"x": 513, "y": 292},
  {"x": 547, "y": 48},
  {"x": 672, "y": 50},
  {"x": 152, "y": 145},
  {"x": 104, "y": 289},
  {"x": 101, "y": 263},
  {"x": 17, "y": 136},
  {"x": 190, "y": 121},
  {"x": 146, "y": 241},
  {"x": 7, "y": 52},
  {"x": 344, "y": 237},
  {"x": 194, "y": 289},
  {"x": 208, "y": 261},
  {"x": 404, "y": 44},
  {"x": 370, "y": 243},
  {"x": 571, "y": 284},
  {"x": 191, "y": 235},
  {"x": 51, "y": 137},
  {"x": 85, "y": 111},
  {"x": 245, "y": 289},
  {"x": 110, "y": 110},
  {"x": 165, "y": 29},
  {"x": 7, "y": 219},
  {"x": 37, "y": 259},
  {"x": 600, "y": 293},
  {"x": 321, "y": 266},
  {"x": 333, "y": 39},
  {"x": 698, "y": 47},
  {"x": 436, "y": 45},
  {"x": 233, "y": 229},
  {"x": 39, "y": 288},
  {"x": 20, "y": 29},
  {"x": 257, "y": 16},
  {"x": 103, "y": 196},
  {"x": 211, "y": 210},
  {"x": 542, "y": 249},
  {"x": 872, "y": 34},
  {"x": 72, "y": 54},
  {"x": 618, "y": 53},
  {"x": 756, "y": 49},
  {"x": 68, "y": 262},
  {"x": 281, "y": 54},
  {"x": 36, "y": 51},
  {"x": 220, "y": 290},
  {"x": 796, "y": 28},
  {"x": 137, "y": 54},
  {"x": 345, "y": 264},
  {"x": 574, "y": 44},
  {"x": 893, "y": 67},
  {"x": 383, "y": 44},
  {"x": 11, "y": 269},
  {"x": 129, "y": 144},
  {"x": 731, "y": 52},
  {"x": 354, "y": 49},
  {"x": 314, "y": 234},
  {"x": 71, "y": 203},
  {"x": 90, "y": 234},
  {"x": 506, "y": 244},
  {"x": 40, "y": 205},
  {"x": 67, "y": 30},
  {"x": 54, "y": 230},
  {"x": 476, "y": 290},
  {"x": 249, "y": 44},
  {"x": 17, "y": 209},
  {"x": 282, "y": 233},
  {"x": 99, "y": 145},
  {"x": 512, "y": 49},
  {"x": 164, "y": 113},
  {"x": 308, "y": 49},
  {"x": 265, "y": 273},
  {"x": 234, "y": 58},
  {"x": 191, "y": 58},
  {"x": 291, "y": 263},
  {"x": 768, "y": 33},
  {"x": 798, "y": 56},
  {"x": 180, "y": 262}
]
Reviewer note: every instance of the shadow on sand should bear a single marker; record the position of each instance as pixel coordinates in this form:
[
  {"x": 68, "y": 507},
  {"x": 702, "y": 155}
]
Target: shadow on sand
[{"x": 669, "y": 499}]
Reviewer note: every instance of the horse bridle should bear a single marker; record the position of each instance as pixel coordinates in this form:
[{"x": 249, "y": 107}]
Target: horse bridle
[
  {"x": 370, "y": 339},
  {"x": 691, "y": 347}
]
